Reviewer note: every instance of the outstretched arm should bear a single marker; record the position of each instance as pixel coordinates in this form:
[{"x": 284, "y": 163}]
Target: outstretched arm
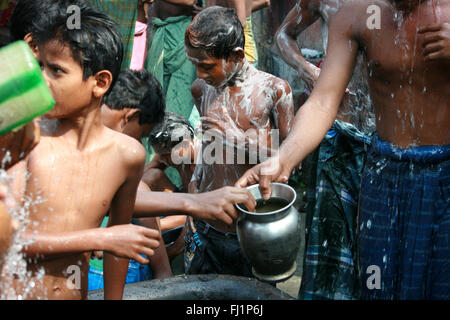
[
  {"x": 125, "y": 241},
  {"x": 215, "y": 206},
  {"x": 316, "y": 116},
  {"x": 303, "y": 15}
]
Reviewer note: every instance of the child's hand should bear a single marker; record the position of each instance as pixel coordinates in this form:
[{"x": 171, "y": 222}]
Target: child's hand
[
  {"x": 217, "y": 207},
  {"x": 130, "y": 241},
  {"x": 436, "y": 41}
]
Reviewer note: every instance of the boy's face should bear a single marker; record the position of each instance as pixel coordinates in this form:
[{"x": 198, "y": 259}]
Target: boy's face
[
  {"x": 64, "y": 77},
  {"x": 216, "y": 72},
  {"x": 165, "y": 156},
  {"x": 177, "y": 153}
]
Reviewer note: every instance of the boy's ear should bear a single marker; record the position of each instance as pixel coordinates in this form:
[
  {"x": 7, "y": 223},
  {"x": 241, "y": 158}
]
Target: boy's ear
[
  {"x": 132, "y": 114},
  {"x": 237, "y": 54},
  {"x": 32, "y": 44},
  {"x": 103, "y": 80}
]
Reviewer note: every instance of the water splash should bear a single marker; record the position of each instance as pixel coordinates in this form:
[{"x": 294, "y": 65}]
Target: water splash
[{"x": 14, "y": 263}]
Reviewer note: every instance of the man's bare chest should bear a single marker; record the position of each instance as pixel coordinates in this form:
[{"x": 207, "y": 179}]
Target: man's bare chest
[{"x": 396, "y": 50}]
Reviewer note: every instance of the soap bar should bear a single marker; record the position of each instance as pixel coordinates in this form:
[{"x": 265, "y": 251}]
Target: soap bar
[{"x": 24, "y": 94}]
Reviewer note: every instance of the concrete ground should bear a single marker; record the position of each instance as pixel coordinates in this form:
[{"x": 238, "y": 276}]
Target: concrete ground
[{"x": 290, "y": 286}]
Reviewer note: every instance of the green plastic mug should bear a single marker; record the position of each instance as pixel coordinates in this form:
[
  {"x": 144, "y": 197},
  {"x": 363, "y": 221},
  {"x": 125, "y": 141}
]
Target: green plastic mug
[{"x": 24, "y": 94}]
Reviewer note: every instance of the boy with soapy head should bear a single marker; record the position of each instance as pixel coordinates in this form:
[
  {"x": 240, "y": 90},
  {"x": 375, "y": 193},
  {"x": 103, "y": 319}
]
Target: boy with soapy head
[
  {"x": 82, "y": 168},
  {"x": 241, "y": 104}
]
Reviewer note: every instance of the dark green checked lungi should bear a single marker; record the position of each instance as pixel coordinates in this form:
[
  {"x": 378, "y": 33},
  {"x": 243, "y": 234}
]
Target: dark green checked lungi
[
  {"x": 404, "y": 223},
  {"x": 124, "y": 12},
  {"x": 329, "y": 267},
  {"x": 167, "y": 61}
]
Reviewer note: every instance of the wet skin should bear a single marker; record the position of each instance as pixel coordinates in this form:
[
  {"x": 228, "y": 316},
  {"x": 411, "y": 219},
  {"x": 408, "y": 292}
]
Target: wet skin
[
  {"x": 164, "y": 9},
  {"x": 82, "y": 169},
  {"x": 240, "y": 101},
  {"x": 411, "y": 96},
  {"x": 356, "y": 107},
  {"x": 406, "y": 114},
  {"x": 243, "y": 7}
]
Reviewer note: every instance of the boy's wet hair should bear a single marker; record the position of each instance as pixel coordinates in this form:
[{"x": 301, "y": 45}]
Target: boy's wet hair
[
  {"x": 217, "y": 30},
  {"x": 170, "y": 132},
  {"x": 138, "y": 90},
  {"x": 23, "y": 15},
  {"x": 96, "y": 44}
]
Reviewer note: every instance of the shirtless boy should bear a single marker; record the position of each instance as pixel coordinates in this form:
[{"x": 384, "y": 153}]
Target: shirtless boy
[
  {"x": 403, "y": 220},
  {"x": 128, "y": 241},
  {"x": 239, "y": 102},
  {"x": 81, "y": 168},
  {"x": 134, "y": 107},
  {"x": 173, "y": 135}
]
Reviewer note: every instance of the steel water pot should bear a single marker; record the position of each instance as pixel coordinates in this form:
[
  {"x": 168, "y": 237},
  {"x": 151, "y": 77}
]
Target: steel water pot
[{"x": 271, "y": 240}]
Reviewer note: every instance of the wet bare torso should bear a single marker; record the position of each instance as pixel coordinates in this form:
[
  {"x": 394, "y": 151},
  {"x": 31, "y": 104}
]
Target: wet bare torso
[
  {"x": 411, "y": 97},
  {"x": 247, "y": 106},
  {"x": 229, "y": 4},
  {"x": 163, "y": 10},
  {"x": 78, "y": 188}
]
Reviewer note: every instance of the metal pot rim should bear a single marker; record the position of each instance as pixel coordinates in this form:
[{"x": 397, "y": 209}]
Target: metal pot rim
[{"x": 291, "y": 203}]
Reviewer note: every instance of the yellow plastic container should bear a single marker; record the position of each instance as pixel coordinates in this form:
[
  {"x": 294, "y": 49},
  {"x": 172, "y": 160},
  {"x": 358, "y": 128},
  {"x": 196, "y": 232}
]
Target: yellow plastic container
[{"x": 24, "y": 95}]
